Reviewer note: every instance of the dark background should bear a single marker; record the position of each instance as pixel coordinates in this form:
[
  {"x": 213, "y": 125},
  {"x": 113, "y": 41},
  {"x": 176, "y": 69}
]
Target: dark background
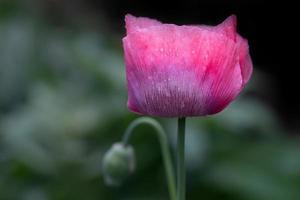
[{"x": 63, "y": 104}]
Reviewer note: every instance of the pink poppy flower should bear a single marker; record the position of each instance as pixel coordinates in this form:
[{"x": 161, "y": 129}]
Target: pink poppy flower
[{"x": 181, "y": 71}]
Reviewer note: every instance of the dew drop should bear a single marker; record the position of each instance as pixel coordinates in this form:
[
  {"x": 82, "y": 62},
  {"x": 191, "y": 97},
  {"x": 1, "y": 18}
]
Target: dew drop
[{"x": 182, "y": 105}]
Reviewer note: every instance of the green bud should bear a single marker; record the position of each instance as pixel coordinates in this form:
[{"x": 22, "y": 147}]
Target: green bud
[{"x": 118, "y": 164}]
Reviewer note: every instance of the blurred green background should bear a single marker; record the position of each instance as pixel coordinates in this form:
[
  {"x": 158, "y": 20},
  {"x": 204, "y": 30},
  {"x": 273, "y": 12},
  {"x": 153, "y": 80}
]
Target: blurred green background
[{"x": 63, "y": 104}]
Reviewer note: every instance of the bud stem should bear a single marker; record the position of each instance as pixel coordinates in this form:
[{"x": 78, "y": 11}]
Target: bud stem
[
  {"x": 181, "y": 159},
  {"x": 163, "y": 140}
]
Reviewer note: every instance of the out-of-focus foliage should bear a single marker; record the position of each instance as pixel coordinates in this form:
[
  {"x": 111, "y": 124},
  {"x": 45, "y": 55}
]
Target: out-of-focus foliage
[{"x": 63, "y": 103}]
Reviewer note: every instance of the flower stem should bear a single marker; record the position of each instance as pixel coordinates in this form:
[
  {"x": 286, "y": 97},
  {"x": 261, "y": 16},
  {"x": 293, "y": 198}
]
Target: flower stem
[
  {"x": 181, "y": 159},
  {"x": 163, "y": 140}
]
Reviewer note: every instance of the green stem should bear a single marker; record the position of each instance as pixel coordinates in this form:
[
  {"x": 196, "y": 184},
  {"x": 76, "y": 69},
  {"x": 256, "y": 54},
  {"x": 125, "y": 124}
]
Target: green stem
[
  {"x": 163, "y": 140},
  {"x": 181, "y": 159}
]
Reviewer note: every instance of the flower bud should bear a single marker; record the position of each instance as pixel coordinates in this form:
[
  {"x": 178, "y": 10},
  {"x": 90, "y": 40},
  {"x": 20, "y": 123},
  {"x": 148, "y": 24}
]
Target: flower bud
[{"x": 118, "y": 164}]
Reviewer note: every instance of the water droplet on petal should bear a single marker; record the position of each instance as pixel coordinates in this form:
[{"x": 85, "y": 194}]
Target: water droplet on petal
[{"x": 182, "y": 105}]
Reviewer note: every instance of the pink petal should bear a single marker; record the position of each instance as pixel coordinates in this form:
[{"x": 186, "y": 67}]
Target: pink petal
[{"x": 175, "y": 71}]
